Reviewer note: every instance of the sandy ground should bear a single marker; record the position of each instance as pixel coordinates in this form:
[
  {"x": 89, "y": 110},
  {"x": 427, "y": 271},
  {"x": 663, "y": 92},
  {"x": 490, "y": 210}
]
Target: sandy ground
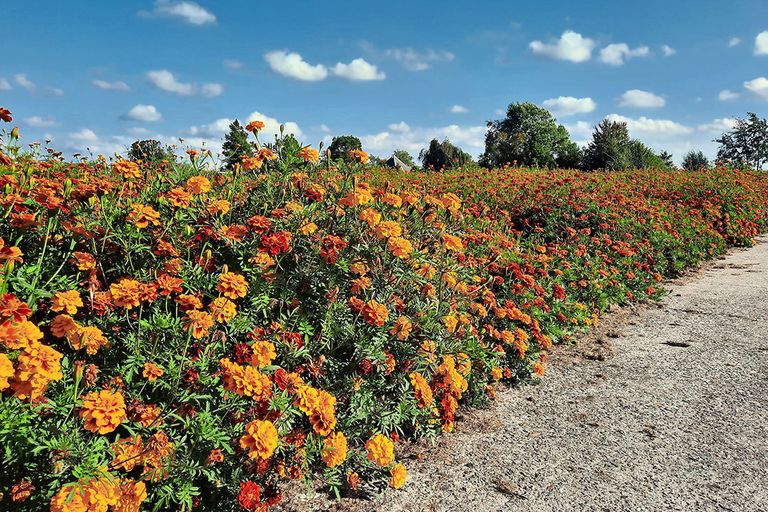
[{"x": 663, "y": 408}]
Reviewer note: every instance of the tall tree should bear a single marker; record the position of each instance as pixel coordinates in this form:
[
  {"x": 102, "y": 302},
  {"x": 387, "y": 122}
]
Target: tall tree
[
  {"x": 695, "y": 161},
  {"x": 342, "y": 145},
  {"x": 150, "y": 151},
  {"x": 530, "y": 136},
  {"x": 746, "y": 144},
  {"x": 236, "y": 145},
  {"x": 610, "y": 147},
  {"x": 443, "y": 155}
]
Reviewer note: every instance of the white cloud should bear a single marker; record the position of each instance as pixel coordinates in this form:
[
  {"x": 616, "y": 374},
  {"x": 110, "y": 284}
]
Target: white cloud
[
  {"x": 726, "y": 95},
  {"x": 324, "y": 128},
  {"x": 644, "y": 126},
  {"x": 635, "y": 98},
  {"x": 580, "y": 132},
  {"x": 111, "y": 86},
  {"x": 189, "y": 12},
  {"x": 571, "y": 46},
  {"x": 459, "y": 109},
  {"x": 22, "y": 81},
  {"x": 41, "y": 122},
  {"x": 233, "y": 64},
  {"x": 413, "y": 60},
  {"x": 568, "y": 105},
  {"x": 216, "y": 130},
  {"x": 758, "y": 86},
  {"x": 761, "y": 43},
  {"x": 718, "y": 125},
  {"x": 146, "y": 113},
  {"x": 292, "y": 65},
  {"x": 414, "y": 139},
  {"x": 165, "y": 80},
  {"x": 667, "y": 50},
  {"x": 358, "y": 70},
  {"x": 402, "y": 126},
  {"x": 55, "y": 91},
  {"x": 615, "y": 54},
  {"x": 5, "y": 85},
  {"x": 734, "y": 41}
]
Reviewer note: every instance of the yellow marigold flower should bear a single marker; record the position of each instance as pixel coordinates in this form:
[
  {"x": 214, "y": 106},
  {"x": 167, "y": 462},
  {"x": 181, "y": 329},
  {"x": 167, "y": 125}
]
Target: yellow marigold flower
[
  {"x": 103, "y": 411},
  {"x": 88, "y": 337},
  {"x": 357, "y": 197},
  {"x": 380, "y": 450},
  {"x": 198, "y": 185},
  {"x": 335, "y": 451},
  {"x": 323, "y": 417},
  {"x": 36, "y": 366},
  {"x": 307, "y": 399},
  {"x": 263, "y": 353},
  {"x": 375, "y": 313},
  {"x": 309, "y": 154},
  {"x": 127, "y": 168},
  {"x": 223, "y": 309},
  {"x": 179, "y": 197},
  {"x": 426, "y": 270},
  {"x": 262, "y": 260},
  {"x": 451, "y": 201},
  {"x": 402, "y": 328},
  {"x": 308, "y": 228},
  {"x": 219, "y": 207},
  {"x": 245, "y": 380},
  {"x": 496, "y": 373},
  {"x": 452, "y": 243},
  {"x": 450, "y": 323},
  {"x": 142, "y": 216},
  {"x": 126, "y": 293},
  {"x": 152, "y": 372},
  {"x": 421, "y": 390},
  {"x": 232, "y": 285},
  {"x": 6, "y": 371},
  {"x": 67, "y": 301},
  {"x": 199, "y": 323},
  {"x": 427, "y": 350},
  {"x": 398, "y": 474},
  {"x": 96, "y": 494},
  {"x": 538, "y": 369},
  {"x": 388, "y": 228},
  {"x": 370, "y": 217},
  {"x": 132, "y": 495},
  {"x": 400, "y": 247},
  {"x": 260, "y": 439},
  {"x": 359, "y": 156}
]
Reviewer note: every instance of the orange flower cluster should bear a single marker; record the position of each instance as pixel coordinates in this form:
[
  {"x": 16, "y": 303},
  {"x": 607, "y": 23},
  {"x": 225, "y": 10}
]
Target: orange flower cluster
[
  {"x": 260, "y": 439},
  {"x": 245, "y": 380},
  {"x": 103, "y": 411}
]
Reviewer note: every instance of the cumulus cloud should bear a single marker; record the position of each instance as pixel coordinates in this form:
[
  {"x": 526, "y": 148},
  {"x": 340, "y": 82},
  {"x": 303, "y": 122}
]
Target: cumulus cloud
[
  {"x": 41, "y": 122},
  {"x": 726, "y": 95},
  {"x": 459, "y": 109},
  {"x": 111, "y": 86},
  {"x": 758, "y": 86},
  {"x": 718, "y": 125},
  {"x": 166, "y": 81},
  {"x": 358, "y": 70},
  {"x": 761, "y": 43},
  {"x": 292, "y": 65},
  {"x": 568, "y": 105},
  {"x": 414, "y": 139},
  {"x": 667, "y": 50},
  {"x": 24, "y": 82},
  {"x": 734, "y": 41},
  {"x": 189, "y": 12},
  {"x": 644, "y": 126},
  {"x": 635, "y": 98},
  {"x": 216, "y": 130},
  {"x": 571, "y": 46},
  {"x": 580, "y": 132},
  {"x": 615, "y": 54},
  {"x": 87, "y": 140},
  {"x": 413, "y": 60},
  {"x": 146, "y": 113}
]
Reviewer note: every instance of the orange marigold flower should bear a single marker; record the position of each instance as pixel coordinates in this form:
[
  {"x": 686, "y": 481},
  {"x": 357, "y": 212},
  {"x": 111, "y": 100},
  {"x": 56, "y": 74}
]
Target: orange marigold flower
[
  {"x": 380, "y": 450},
  {"x": 263, "y": 353},
  {"x": 402, "y": 328},
  {"x": 127, "y": 453},
  {"x": 96, "y": 494},
  {"x": 219, "y": 207},
  {"x": 152, "y": 372},
  {"x": 388, "y": 228},
  {"x": 309, "y": 154},
  {"x": 132, "y": 495},
  {"x": 103, "y": 411},
  {"x": 421, "y": 390},
  {"x": 10, "y": 253},
  {"x": 167, "y": 284},
  {"x": 127, "y": 168},
  {"x": 308, "y": 228},
  {"x": 353, "y": 479},
  {"x": 245, "y": 380},
  {"x": 67, "y": 301},
  {"x": 215, "y": 456},
  {"x": 6, "y": 371},
  {"x": 199, "y": 323},
  {"x": 323, "y": 417},
  {"x": 126, "y": 293},
  {"x": 232, "y": 285},
  {"x": 187, "y": 302},
  {"x": 84, "y": 261},
  {"x": 538, "y": 369},
  {"x": 260, "y": 439},
  {"x": 398, "y": 474},
  {"x": 222, "y": 309},
  {"x": 335, "y": 450},
  {"x": 254, "y": 126},
  {"x": 36, "y": 366},
  {"x": 392, "y": 200},
  {"x": 13, "y": 308},
  {"x": 370, "y": 216},
  {"x": 360, "y": 284},
  {"x": 314, "y": 192},
  {"x": 266, "y": 154},
  {"x": 179, "y": 197},
  {"x": 142, "y": 216},
  {"x": 357, "y": 197},
  {"x": 450, "y": 323},
  {"x": 400, "y": 247},
  {"x": 453, "y": 243},
  {"x": 359, "y": 156},
  {"x": 146, "y": 415},
  {"x": 375, "y": 313},
  {"x": 19, "y": 335},
  {"x": 197, "y": 185},
  {"x": 88, "y": 337}
]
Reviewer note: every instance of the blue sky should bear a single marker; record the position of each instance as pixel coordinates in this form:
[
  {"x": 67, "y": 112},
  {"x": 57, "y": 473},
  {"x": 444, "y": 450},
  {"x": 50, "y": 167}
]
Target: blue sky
[{"x": 99, "y": 75}]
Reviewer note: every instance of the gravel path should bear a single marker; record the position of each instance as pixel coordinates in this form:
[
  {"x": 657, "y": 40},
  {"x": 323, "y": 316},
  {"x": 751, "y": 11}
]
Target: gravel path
[{"x": 675, "y": 419}]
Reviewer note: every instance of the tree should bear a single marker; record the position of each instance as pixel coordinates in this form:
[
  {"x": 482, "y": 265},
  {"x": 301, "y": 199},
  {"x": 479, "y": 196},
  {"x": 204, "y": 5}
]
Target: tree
[
  {"x": 530, "y": 136},
  {"x": 667, "y": 159},
  {"x": 405, "y": 157},
  {"x": 643, "y": 157},
  {"x": 342, "y": 145},
  {"x": 443, "y": 155},
  {"x": 695, "y": 161},
  {"x": 236, "y": 145},
  {"x": 746, "y": 144},
  {"x": 150, "y": 151},
  {"x": 609, "y": 148},
  {"x": 286, "y": 147}
]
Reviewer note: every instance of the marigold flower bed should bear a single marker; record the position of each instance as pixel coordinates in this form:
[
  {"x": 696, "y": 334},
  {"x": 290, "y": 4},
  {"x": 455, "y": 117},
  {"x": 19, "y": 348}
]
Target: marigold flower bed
[{"x": 176, "y": 338}]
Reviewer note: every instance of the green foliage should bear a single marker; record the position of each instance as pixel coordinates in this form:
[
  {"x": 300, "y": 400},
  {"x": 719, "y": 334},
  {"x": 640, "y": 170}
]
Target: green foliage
[
  {"x": 236, "y": 145},
  {"x": 150, "y": 151},
  {"x": 695, "y": 161},
  {"x": 342, "y": 145},
  {"x": 610, "y": 147},
  {"x": 405, "y": 157},
  {"x": 529, "y": 136},
  {"x": 747, "y": 144},
  {"x": 443, "y": 155}
]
